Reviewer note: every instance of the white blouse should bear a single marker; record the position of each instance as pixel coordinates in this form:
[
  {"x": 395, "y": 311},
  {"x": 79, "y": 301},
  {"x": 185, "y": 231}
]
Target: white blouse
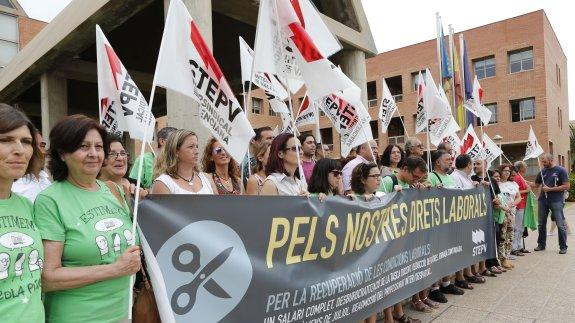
[
  {"x": 286, "y": 185},
  {"x": 177, "y": 189}
]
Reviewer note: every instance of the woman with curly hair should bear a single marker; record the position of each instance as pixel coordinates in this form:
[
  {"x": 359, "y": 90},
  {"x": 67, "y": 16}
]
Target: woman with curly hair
[{"x": 223, "y": 172}]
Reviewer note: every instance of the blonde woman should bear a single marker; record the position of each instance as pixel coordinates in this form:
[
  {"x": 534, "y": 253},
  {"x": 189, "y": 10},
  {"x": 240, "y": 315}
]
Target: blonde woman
[
  {"x": 256, "y": 181},
  {"x": 176, "y": 169}
]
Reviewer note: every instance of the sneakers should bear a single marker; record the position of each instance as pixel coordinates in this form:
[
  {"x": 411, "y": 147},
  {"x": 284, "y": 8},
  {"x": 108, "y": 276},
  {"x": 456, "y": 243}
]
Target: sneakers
[
  {"x": 563, "y": 251},
  {"x": 525, "y": 250},
  {"x": 437, "y": 296},
  {"x": 539, "y": 248},
  {"x": 451, "y": 289}
]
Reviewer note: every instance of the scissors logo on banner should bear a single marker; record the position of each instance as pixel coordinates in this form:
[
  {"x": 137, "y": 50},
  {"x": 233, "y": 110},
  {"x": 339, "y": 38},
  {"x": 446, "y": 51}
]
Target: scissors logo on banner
[{"x": 184, "y": 297}]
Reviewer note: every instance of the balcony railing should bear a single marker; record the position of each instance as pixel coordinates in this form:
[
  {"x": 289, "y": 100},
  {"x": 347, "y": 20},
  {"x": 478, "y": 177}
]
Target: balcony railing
[
  {"x": 396, "y": 140},
  {"x": 398, "y": 97},
  {"x": 372, "y": 103}
]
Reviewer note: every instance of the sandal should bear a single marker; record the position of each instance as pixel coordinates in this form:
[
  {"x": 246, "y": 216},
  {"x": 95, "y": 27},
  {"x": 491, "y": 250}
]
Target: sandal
[
  {"x": 406, "y": 319},
  {"x": 430, "y": 303},
  {"x": 495, "y": 270},
  {"x": 488, "y": 273},
  {"x": 475, "y": 279},
  {"x": 421, "y": 307},
  {"x": 463, "y": 284}
]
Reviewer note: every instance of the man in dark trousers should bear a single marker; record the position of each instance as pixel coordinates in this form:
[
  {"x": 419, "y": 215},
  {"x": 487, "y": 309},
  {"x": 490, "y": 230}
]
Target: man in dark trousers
[{"x": 553, "y": 181}]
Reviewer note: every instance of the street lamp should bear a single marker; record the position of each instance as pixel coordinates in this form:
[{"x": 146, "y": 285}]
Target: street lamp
[{"x": 498, "y": 139}]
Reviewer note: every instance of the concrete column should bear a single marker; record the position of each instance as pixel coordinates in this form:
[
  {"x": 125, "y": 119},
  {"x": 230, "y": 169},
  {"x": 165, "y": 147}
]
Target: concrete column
[
  {"x": 183, "y": 112},
  {"x": 353, "y": 65},
  {"x": 54, "y": 101}
]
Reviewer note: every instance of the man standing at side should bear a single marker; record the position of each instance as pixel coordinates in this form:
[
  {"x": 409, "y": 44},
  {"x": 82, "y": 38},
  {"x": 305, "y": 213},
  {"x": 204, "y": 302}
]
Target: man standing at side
[
  {"x": 149, "y": 159},
  {"x": 366, "y": 153},
  {"x": 553, "y": 181},
  {"x": 308, "y": 147}
]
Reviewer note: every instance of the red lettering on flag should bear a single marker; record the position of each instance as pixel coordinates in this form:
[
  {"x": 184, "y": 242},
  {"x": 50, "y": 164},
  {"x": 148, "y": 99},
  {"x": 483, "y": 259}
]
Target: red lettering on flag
[
  {"x": 298, "y": 12},
  {"x": 467, "y": 143}
]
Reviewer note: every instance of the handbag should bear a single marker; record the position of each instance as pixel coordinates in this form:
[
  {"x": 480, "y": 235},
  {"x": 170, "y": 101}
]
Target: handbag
[{"x": 144, "y": 309}]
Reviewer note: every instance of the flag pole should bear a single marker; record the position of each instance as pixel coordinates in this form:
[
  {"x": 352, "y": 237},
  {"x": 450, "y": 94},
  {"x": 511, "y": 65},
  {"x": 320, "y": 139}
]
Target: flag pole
[
  {"x": 140, "y": 169},
  {"x": 438, "y": 41},
  {"x": 451, "y": 56},
  {"x": 248, "y": 152},
  {"x": 402, "y": 122},
  {"x": 316, "y": 111},
  {"x": 462, "y": 76}
]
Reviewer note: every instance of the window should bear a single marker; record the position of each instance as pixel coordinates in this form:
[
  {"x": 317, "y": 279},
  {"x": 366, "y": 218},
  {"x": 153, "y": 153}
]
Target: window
[
  {"x": 414, "y": 79},
  {"x": 522, "y": 110},
  {"x": 8, "y": 38},
  {"x": 7, "y": 3},
  {"x": 493, "y": 108},
  {"x": 374, "y": 124},
  {"x": 371, "y": 94},
  {"x": 521, "y": 60},
  {"x": 558, "y": 74},
  {"x": 326, "y": 135},
  {"x": 395, "y": 128},
  {"x": 484, "y": 67},
  {"x": 271, "y": 111},
  {"x": 256, "y": 106},
  {"x": 395, "y": 87}
]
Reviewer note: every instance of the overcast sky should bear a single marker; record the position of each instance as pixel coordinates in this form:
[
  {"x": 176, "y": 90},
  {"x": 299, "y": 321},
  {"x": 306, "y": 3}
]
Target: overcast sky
[{"x": 401, "y": 23}]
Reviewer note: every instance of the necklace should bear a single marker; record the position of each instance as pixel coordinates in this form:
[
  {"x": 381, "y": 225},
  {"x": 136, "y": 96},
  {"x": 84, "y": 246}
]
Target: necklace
[{"x": 190, "y": 181}]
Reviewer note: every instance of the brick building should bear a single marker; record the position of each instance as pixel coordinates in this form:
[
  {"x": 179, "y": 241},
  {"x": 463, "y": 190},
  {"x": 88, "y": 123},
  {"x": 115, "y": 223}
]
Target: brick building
[
  {"x": 520, "y": 65},
  {"x": 16, "y": 29}
]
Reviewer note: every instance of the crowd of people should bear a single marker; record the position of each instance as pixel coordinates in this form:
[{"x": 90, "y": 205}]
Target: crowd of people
[{"x": 71, "y": 205}]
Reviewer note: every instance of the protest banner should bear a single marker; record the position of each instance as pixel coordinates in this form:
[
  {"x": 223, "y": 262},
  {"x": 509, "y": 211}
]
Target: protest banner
[{"x": 219, "y": 258}]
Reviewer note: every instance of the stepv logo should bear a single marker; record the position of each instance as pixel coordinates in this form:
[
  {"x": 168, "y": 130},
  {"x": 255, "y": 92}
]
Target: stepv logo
[
  {"x": 207, "y": 271},
  {"x": 478, "y": 238}
]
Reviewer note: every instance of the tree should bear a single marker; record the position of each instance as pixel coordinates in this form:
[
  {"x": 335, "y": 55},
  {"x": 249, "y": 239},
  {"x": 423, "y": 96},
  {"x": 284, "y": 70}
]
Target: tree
[{"x": 572, "y": 145}]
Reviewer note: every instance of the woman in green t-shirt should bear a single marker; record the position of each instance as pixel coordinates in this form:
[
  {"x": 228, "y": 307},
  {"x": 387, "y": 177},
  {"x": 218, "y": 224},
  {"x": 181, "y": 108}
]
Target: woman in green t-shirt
[
  {"x": 21, "y": 253},
  {"x": 86, "y": 230}
]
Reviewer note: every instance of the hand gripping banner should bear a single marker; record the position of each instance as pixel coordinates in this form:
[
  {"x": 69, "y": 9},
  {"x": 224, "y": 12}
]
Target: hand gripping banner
[{"x": 293, "y": 259}]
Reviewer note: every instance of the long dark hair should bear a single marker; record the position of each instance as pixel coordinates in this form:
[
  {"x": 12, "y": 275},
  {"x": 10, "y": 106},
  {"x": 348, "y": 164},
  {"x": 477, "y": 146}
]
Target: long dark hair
[
  {"x": 11, "y": 119},
  {"x": 319, "y": 182},
  {"x": 385, "y": 159},
  {"x": 66, "y": 137},
  {"x": 275, "y": 163}
]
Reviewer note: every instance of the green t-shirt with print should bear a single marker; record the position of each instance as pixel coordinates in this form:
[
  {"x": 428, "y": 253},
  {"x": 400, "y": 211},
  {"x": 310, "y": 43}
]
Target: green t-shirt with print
[
  {"x": 147, "y": 169},
  {"x": 95, "y": 229},
  {"x": 386, "y": 184},
  {"x": 435, "y": 179},
  {"x": 21, "y": 262}
]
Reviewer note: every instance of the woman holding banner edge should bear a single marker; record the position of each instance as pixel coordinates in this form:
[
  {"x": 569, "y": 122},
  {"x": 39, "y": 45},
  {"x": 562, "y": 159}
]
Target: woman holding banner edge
[
  {"x": 18, "y": 152},
  {"x": 85, "y": 226}
]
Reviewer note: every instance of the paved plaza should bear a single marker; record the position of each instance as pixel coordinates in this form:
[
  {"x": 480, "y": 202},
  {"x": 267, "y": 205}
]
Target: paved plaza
[{"x": 541, "y": 288}]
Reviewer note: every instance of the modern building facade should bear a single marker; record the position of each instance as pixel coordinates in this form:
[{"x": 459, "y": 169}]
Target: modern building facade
[
  {"x": 55, "y": 75},
  {"x": 522, "y": 70},
  {"x": 16, "y": 30}
]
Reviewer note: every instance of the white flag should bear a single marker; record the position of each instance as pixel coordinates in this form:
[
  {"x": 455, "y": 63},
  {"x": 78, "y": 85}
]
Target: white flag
[
  {"x": 440, "y": 120},
  {"x": 349, "y": 117},
  {"x": 186, "y": 65},
  {"x": 533, "y": 149},
  {"x": 471, "y": 144},
  {"x": 490, "y": 149},
  {"x": 421, "y": 117},
  {"x": 456, "y": 143},
  {"x": 122, "y": 105},
  {"x": 474, "y": 104},
  {"x": 440, "y": 128},
  {"x": 287, "y": 125},
  {"x": 306, "y": 114},
  {"x": 386, "y": 108}
]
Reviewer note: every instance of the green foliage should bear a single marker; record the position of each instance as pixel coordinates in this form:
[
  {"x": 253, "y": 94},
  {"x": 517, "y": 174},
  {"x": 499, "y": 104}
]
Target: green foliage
[{"x": 571, "y": 197}]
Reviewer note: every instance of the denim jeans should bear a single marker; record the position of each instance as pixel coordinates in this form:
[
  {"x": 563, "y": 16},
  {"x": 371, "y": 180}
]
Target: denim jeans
[
  {"x": 518, "y": 230},
  {"x": 556, "y": 209}
]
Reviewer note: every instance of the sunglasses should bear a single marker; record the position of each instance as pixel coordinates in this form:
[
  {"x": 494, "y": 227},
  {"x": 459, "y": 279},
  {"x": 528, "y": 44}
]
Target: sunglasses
[
  {"x": 294, "y": 148},
  {"x": 374, "y": 175},
  {"x": 336, "y": 172},
  {"x": 218, "y": 150}
]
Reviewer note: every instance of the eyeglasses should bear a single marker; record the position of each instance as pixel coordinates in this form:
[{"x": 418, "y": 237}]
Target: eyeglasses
[
  {"x": 294, "y": 148},
  {"x": 336, "y": 172},
  {"x": 374, "y": 175},
  {"x": 506, "y": 171},
  {"x": 115, "y": 154},
  {"x": 218, "y": 150}
]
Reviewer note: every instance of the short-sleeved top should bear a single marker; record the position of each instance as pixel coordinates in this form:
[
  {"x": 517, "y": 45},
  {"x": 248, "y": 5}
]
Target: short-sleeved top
[
  {"x": 387, "y": 184},
  {"x": 176, "y": 189},
  {"x": 95, "y": 229},
  {"x": 147, "y": 170},
  {"x": 21, "y": 262},
  {"x": 554, "y": 176},
  {"x": 435, "y": 179},
  {"x": 522, "y": 187},
  {"x": 286, "y": 185},
  {"x": 29, "y": 186},
  {"x": 461, "y": 179},
  {"x": 509, "y": 189},
  {"x": 307, "y": 169}
]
